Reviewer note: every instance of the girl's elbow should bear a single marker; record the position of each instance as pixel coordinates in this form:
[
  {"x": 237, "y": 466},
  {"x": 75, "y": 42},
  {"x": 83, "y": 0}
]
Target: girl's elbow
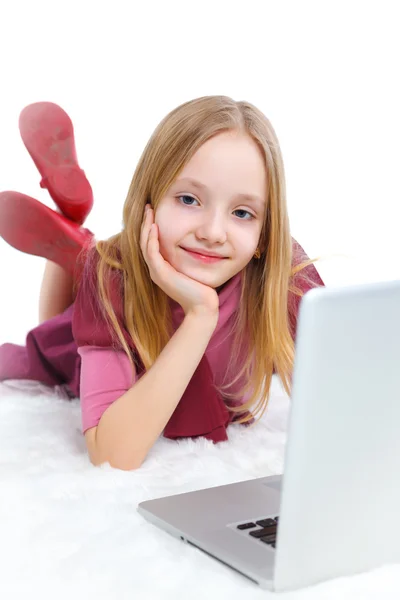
[
  {"x": 115, "y": 458},
  {"x": 116, "y": 463}
]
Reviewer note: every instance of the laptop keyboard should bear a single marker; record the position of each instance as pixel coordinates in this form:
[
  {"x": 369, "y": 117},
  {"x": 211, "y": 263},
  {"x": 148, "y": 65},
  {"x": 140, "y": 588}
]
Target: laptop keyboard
[{"x": 263, "y": 530}]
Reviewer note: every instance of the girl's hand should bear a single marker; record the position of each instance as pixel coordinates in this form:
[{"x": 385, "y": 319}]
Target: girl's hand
[{"x": 194, "y": 297}]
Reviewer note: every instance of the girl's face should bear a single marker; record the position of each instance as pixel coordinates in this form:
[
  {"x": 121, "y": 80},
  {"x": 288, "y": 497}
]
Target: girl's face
[{"x": 216, "y": 204}]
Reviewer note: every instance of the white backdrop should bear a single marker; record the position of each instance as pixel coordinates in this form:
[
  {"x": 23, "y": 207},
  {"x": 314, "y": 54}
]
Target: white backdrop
[{"x": 325, "y": 74}]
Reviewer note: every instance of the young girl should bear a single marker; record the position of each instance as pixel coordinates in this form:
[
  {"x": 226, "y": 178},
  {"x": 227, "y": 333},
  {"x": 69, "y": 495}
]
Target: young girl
[{"x": 177, "y": 323}]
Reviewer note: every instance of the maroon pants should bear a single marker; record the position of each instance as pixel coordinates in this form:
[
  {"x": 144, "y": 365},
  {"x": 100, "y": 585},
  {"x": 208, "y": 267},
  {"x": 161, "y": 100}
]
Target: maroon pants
[{"x": 50, "y": 355}]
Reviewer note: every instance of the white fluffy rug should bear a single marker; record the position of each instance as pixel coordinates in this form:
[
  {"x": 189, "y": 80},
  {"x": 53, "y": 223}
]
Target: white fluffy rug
[{"x": 71, "y": 530}]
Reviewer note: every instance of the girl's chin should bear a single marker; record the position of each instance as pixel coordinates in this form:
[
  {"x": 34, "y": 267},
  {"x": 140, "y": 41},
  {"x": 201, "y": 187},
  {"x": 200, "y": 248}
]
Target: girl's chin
[{"x": 191, "y": 273}]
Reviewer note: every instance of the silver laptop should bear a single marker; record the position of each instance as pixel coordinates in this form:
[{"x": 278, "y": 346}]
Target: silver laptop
[{"x": 335, "y": 511}]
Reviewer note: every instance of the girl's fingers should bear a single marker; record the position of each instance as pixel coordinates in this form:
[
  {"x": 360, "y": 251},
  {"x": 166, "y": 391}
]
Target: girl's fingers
[
  {"x": 155, "y": 262},
  {"x": 144, "y": 236},
  {"x": 152, "y": 247},
  {"x": 147, "y": 220}
]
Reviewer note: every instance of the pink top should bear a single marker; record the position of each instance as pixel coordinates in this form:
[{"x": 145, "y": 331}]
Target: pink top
[{"x": 106, "y": 373}]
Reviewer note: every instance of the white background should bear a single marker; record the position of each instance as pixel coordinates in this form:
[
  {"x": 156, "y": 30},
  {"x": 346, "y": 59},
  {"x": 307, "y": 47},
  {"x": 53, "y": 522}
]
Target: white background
[{"x": 325, "y": 73}]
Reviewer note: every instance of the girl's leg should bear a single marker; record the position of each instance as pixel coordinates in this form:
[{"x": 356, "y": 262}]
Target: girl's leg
[
  {"x": 48, "y": 134},
  {"x": 56, "y": 291},
  {"x": 32, "y": 227}
]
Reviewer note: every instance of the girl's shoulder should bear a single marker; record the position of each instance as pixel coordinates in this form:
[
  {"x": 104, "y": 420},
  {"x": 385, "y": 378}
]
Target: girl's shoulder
[
  {"x": 308, "y": 277},
  {"x": 90, "y": 325},
  {"x": 302, "y": 281}
]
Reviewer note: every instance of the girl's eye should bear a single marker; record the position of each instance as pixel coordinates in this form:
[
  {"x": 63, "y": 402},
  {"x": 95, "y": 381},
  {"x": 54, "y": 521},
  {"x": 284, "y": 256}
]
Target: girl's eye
[
  {"x": 185, "y": 196},
  {"x": 241, "y": 210},
  {"x": 237, "y": 211}
]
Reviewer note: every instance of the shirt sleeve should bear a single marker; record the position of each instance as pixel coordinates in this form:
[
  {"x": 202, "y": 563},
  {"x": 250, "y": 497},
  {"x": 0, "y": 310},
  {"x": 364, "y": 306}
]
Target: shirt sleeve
[{"x": 106, "y": 373}]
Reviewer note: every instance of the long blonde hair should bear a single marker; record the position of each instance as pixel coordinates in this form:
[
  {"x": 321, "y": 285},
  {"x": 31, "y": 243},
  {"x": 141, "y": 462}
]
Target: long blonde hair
[{"x": 262, "y": 317}]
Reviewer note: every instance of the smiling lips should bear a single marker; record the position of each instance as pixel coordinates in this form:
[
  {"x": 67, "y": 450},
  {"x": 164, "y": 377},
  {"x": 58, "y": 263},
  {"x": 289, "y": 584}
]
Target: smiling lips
[
  {"x": 208, "y": 258},
  {"x": 203, "y": 252}
]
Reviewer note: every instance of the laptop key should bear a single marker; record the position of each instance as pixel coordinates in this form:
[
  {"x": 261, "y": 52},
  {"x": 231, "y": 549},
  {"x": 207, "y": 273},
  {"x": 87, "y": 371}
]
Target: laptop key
[
  {"x": 268, "y": 539},
  {"x": 266, "y": 522},
  {"x": 257, "y": 533},
  {"x": 246, "y": 525}
]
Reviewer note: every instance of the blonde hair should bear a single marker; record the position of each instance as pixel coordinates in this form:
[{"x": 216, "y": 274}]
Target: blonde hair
[{"x": 262, "y": 318}]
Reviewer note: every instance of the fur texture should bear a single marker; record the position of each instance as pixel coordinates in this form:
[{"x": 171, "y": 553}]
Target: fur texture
[{"x": 71, "y": 530}]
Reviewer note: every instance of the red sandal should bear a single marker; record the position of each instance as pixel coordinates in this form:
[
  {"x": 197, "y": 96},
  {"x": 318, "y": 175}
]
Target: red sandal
[
  {"x": 33, "y": 228},
  {"x": 48, "y": 135}
]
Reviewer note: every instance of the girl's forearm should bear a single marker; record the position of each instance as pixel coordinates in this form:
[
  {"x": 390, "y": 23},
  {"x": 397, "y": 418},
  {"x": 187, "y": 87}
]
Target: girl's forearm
[{"x": 131, "y": 425}]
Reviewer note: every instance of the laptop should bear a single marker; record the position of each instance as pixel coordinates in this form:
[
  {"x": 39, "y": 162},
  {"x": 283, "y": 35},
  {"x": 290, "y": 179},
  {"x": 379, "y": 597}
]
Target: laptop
[{"x": 335, "y": 511}]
